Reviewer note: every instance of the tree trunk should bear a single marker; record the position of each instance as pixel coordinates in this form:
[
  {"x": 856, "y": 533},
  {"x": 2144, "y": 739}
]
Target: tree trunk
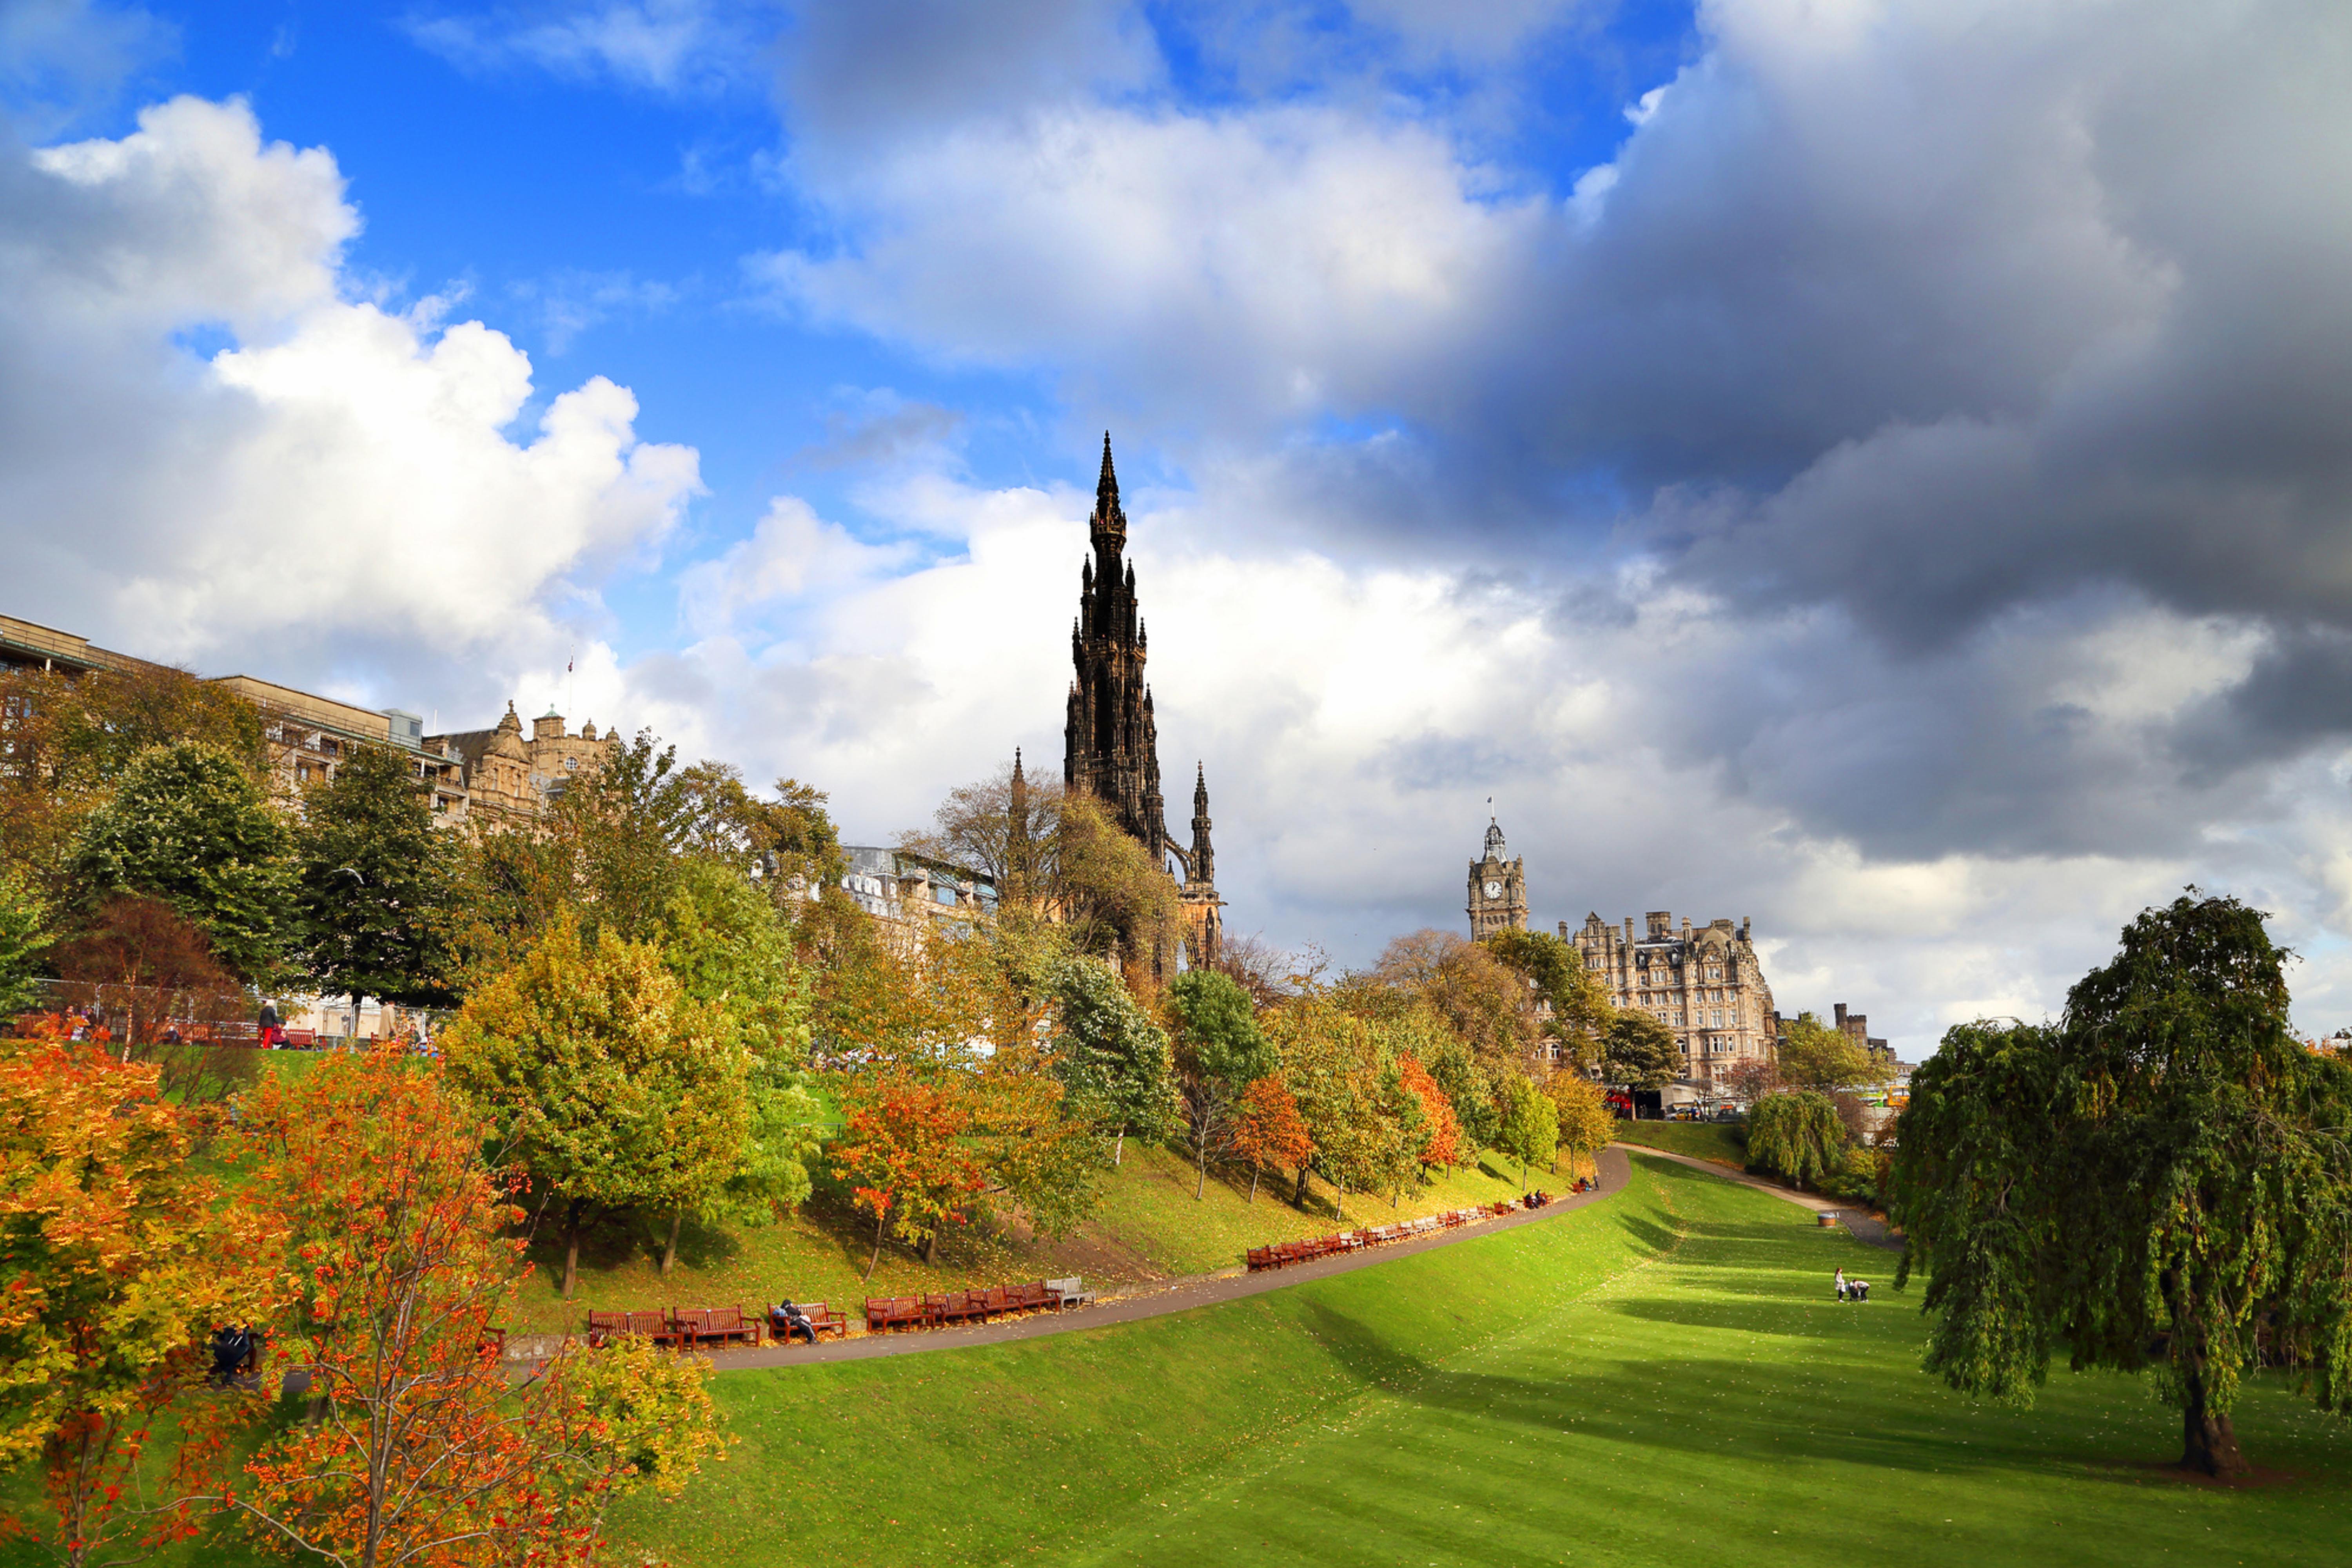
[
  {"x": 1339, "y": 1204},
  {"x": 572, "y": 1245},
  {"x": 670, "y": 1248},
  {"x": 877, "y": 1247},
  {"x": 931, "y": 1249},
  {"x": 1298, "y": 1196},
  {"x": 1201, "y": 1187},
  {"x": 1119, "y": 1149},
  {"x": 2209, "y": 1444},
  {"x": 1254, "y": 1168}
]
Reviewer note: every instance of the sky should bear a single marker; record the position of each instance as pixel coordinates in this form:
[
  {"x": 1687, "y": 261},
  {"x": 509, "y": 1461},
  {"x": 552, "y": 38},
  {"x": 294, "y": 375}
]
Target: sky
[{"x": 1880, "y": 468}]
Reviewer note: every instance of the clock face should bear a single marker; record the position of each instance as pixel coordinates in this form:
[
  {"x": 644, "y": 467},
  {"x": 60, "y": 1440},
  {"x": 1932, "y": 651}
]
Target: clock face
[{"x": 1494, "y": 890}]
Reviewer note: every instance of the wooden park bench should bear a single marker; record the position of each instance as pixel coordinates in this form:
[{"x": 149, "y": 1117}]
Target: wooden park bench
[
  {"x": 824, "y": 1316},
  {"x": 956, "y": 1307},
  {"x": 715, "y": 1326},
  {"x": 1037, "y": 1296},
  {"x": 603, "y": 1327},
  {"x": 882, "y": 1312}
]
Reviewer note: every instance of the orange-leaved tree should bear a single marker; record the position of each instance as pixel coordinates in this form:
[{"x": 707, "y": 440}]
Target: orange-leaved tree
[
  {"x": 420, "y": 1449},
  {"x": 904, "y": 1152},
  {"x": 1442, "y": 1135},
  {"x": 115, "y": 1264},
  {"x": 1268, "y": 1129}
]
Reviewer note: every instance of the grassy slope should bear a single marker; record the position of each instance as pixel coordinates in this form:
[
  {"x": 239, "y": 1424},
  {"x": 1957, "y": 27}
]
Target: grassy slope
[
  {"x": 1699, "y": 1139},
  {"x": 1150, "y": 1227},
  {"x": 997, "y": 1453},
  {"x": 1655, "y": 1380}
]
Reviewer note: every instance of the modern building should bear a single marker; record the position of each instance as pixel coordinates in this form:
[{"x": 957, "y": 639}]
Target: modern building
[
  {"x": 1706, "y": 985},
  {"x": 1110, "y": 737}
]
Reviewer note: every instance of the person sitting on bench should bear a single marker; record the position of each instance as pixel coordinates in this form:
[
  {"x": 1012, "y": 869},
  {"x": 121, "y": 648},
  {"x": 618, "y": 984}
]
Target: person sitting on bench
[
  {"x": 787, "y": 1319},
  {"x": 232, "y": 1350}
]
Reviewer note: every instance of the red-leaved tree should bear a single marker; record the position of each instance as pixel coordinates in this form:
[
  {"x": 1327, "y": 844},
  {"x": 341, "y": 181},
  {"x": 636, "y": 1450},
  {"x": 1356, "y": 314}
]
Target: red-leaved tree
[
  {"x": 903, "y": 1153},
  {"x": 419, "y": 1449}
]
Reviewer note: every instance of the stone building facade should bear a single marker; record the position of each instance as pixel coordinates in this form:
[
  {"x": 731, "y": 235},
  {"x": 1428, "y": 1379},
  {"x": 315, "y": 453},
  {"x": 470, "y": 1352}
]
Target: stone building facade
[
  {"x": 1498, "y": 889},
  {"x": 1855, "y": 1027},
  {"x": 1706, "y": 985},
  {"x": 1110, "y": 736},
  {"x": 510, "y": 781},
  {"x": 494, "y": 778}
]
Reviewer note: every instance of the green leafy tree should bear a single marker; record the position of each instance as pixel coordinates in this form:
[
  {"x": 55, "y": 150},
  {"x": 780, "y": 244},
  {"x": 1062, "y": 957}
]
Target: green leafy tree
[
  {"x": 188, "y": 825},
  {"x": 1220, "y": 1052},
  {"x": 2158, "y": 1182},
  {"x": 731, "y": 950},
  {"x": 1345, "y": 1090},
  {"x": 1575, "y": 1007},
  {"x": 1798, "y": 1135},
  {"x": 1813, "y": 1055},
  {"x": 1111, "y": 1057},
  {"x": 374, "y": 884},
  {"x": 610, "y": 1085},
  {"x": 24, "y": 937},
  {"x": 624, "y": 827},
  {"x": 1467, "y": 1085},
  {"x": 1531, "y": 1129},
  {"x": 1639, "y": 1052}
]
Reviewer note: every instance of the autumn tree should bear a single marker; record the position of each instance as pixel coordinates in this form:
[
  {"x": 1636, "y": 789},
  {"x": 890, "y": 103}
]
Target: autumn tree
[
  {"x": 188, "y": 823},
  {"x": 954, "y": 1100},
  {"x": 1111, "y": 1057},
  {"x": 374, "y": 905},
  {"x": 1586, "y": 1122},
  {"x": 2158, "y": 1182},
  {"x": 902, "y": 1153},
  {"x": 1441, "y": 1130},
  {"x": 421, "y": 1449},
  {"x": 1220, "y": 1052},
  {"x": 1269, "y": 1131},
  {"x": 120, "y": 1261},
  {"x": 1489, "y": 1005},
  {"x": 609, "y": 1083},
  {"x": 1345, "y": 1090}
]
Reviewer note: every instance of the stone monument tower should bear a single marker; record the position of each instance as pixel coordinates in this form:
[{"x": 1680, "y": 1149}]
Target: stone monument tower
[{"x": 1110, "y": 738}]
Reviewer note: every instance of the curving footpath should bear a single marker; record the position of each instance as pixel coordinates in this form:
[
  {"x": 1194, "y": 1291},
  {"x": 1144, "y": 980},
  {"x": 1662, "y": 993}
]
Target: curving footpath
[
  {"x": 1860, "y": 1227},
  {"x": 1207, "y": 1290}
]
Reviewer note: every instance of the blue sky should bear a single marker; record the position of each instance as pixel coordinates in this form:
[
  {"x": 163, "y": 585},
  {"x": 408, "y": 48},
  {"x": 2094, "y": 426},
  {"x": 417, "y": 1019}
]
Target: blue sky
[{"x": 1873, "y": 466}]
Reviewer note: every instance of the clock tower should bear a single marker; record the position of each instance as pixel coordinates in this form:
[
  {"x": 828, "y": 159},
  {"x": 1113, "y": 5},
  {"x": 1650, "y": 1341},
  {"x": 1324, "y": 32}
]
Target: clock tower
[{"x": 1498, "y": 890}]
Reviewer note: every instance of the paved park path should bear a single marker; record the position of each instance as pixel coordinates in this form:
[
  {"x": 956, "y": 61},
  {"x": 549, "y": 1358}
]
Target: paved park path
[
  {"x": 1204, "y": 1291},
  {"x": 1860, "y": 1226}
]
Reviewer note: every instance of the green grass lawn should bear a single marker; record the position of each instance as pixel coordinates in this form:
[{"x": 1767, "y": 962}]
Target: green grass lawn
[
  {"x": 1659, "y": 1379},
  {"x": 1150, "y": 1227},
  {"x": 1699, "y": 1139}
]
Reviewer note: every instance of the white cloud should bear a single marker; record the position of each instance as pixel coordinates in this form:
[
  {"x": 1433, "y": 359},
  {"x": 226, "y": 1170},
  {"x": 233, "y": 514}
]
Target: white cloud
[
  {"x": 1266, "y": 265},
  {"x": 665, "y": 46},
  {"x": 336, "y": 490}
]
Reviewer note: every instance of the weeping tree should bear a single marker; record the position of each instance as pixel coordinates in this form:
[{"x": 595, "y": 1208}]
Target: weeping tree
[
  {"x": 2159, "y": 1182},
  {"x": 1799, "y": 1136}
]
